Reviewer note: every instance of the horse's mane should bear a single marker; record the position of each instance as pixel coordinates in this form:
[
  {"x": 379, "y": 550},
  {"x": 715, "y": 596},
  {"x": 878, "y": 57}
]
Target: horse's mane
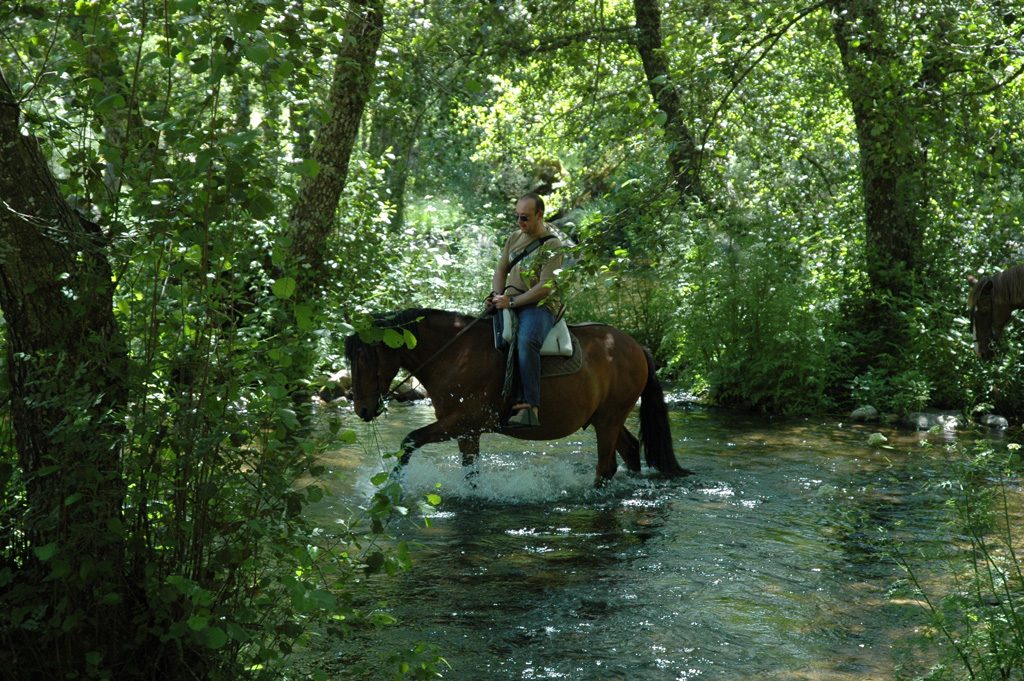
[
  {"x": 1007, "y": 287},
  {"x": 405, "y": 320}
]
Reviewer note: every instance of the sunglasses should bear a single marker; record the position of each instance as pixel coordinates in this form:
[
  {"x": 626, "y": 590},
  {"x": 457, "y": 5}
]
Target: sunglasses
[{"x": 522, "y": 217}]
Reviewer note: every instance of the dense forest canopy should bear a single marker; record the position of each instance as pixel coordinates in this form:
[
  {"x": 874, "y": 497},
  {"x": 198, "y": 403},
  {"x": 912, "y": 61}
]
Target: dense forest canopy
[{"x": 200, "y": 200}]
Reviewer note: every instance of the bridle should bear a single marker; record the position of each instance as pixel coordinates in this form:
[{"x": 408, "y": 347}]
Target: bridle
[
  {"x": 976, "y": 297},
  {"x": 378, "y": 381}
]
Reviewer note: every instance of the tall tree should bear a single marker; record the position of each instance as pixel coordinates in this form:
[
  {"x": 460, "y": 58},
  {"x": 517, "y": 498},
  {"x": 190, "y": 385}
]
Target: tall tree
[
  {"x": 312, "y": 216},
  {"x": 66, "y": 363},
  {"x": 888, "y": 113},
  {"x": 684, "y": 157}
]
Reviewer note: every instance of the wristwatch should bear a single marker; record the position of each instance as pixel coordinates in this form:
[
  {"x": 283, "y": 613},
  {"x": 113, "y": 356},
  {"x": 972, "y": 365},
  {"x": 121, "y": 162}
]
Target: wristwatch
[{"x": 511, "y": 301}]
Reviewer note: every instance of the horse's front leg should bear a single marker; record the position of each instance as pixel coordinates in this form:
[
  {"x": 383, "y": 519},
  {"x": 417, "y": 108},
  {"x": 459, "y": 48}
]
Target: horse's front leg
[
  {"x": 470, "y": 448},
  {"x": 410, "y": 443},
  {"x": 438, "y": 431}
]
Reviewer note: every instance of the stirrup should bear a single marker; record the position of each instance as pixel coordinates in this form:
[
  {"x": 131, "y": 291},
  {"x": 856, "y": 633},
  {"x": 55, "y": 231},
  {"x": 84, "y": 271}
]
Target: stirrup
[{"x": 526, "y": 418}]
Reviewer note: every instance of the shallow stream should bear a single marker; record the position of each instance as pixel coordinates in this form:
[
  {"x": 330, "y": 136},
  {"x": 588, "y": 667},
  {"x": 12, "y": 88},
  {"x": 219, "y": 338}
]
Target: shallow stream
[{"x": 770, "y": 563}]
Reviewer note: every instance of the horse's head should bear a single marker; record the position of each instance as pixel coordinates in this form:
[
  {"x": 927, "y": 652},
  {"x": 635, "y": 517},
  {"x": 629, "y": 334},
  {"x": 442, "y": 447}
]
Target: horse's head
[
  {"x": 373, "y": 368},
  {"x": 981, "y": 304}
]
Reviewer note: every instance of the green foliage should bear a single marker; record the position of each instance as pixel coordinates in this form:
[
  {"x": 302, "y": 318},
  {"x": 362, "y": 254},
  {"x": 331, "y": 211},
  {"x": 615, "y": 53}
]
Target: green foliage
[
  {"x": 615, "y": 275},
  {"x": 979, "y": 621},
  {"x": 227, "y": 574},
  {"x": 901, "y": 393},
  {"x": 183, "y": 130},
  {"x": 998, "y": 384},
  {"x": 752, "y": 327},
  {"x": 173, "y": 136},
  {"x": 420, "y": 663}
]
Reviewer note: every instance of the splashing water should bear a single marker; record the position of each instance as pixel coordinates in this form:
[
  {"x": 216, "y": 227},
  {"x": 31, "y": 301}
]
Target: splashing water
[{"x": 764, "y": 565}]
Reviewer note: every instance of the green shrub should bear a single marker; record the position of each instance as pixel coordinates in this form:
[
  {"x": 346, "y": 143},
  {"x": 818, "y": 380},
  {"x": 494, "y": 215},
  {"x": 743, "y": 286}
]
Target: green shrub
[
  {"x": 904, "y": 392},
  {"x": 224, "y": 576},
  {"x": 752, "y": 328},
  {"x": 977, "y": 625}
]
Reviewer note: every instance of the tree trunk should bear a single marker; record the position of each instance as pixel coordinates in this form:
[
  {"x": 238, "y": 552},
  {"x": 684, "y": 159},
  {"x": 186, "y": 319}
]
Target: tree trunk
[
  {"x": 893, "y": 163},
  {"x": 127, "y": 141},
  {"x": 398, "y": 132},
  {"x": 66, "y": 363},
  {"x": 684, "y": 155},
  {"x": 892, "y": 156},
  {"x": 312, "y": 217}
]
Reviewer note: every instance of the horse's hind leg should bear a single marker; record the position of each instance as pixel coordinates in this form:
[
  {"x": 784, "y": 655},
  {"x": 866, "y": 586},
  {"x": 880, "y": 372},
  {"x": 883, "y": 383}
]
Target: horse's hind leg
[
  {"x": 607, "y": 438},
  {"x": 629, "y": 449}
]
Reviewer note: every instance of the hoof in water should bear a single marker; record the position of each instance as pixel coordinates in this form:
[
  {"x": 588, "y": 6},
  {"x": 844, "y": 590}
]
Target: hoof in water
[{"x": 397, "y": 474}]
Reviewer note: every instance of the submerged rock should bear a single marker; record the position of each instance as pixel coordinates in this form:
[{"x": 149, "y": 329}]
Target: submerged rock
[
  {"x": 865, "y": 413},
  {"x": 994, "y": 421},
  {"x": 926, "y": 420},
  {"x": 336, "y": 386},
  {"x": 411, "y": 394}
]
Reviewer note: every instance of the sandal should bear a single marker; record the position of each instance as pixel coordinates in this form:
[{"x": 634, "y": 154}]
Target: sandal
[{"x": 526, "y": 418}]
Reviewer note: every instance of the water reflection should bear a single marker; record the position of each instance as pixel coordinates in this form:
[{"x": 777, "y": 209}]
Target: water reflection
[{"x": 766, "y": 564}]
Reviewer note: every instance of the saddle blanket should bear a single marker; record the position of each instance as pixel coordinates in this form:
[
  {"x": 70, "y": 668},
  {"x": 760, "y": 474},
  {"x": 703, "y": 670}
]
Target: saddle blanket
[{"x": 556, "y": 365}]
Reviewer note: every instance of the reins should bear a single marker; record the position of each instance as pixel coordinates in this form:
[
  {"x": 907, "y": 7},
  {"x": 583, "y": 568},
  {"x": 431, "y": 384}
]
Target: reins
[{"x": 394, "y": 390}]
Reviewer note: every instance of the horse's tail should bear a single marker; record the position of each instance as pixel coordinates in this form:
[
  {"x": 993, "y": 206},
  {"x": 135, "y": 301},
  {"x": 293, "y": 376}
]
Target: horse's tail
[{"x": 655, "y": 432}]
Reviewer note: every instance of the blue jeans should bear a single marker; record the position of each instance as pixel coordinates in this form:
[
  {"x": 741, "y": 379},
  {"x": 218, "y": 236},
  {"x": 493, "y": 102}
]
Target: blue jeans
[{"x": 534, "y": 323}]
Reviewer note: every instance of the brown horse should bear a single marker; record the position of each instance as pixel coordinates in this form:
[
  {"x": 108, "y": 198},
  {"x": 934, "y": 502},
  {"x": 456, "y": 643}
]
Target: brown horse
[
  {"x": 455, "y": 360},
  {"x": 991, "y": 302}
]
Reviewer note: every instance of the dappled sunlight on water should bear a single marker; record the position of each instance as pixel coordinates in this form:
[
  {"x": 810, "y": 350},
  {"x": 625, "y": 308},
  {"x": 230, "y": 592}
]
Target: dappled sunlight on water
[{"x": 769, "y": 563}]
